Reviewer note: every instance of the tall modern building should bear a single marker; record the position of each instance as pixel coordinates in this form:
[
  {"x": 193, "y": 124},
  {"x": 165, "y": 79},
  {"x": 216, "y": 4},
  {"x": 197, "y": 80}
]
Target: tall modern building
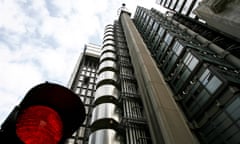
[{"x": 155, "y": 80}]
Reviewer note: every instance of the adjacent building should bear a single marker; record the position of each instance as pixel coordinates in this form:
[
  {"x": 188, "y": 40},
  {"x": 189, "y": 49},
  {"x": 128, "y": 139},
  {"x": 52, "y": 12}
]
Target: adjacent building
[{"x": 156, "y": 80}]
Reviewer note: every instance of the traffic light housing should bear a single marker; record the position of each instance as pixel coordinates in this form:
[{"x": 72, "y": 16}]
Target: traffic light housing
[{"x": 49, "y": 113}]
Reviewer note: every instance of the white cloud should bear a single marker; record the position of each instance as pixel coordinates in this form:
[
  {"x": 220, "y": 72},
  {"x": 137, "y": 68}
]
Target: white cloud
[{"x": 41, "y": 40}]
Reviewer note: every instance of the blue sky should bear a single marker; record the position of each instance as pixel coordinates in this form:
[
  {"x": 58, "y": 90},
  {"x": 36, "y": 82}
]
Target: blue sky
[{"x": 40, "y": 40}]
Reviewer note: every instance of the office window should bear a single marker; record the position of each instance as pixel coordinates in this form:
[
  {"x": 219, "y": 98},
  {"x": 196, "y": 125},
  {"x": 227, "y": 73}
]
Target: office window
[
  {"x": 155, "y": 26},
  {"x": 177, "y": 48},
  {"x": 83, "y": 91},
  {"x": 90, "y": 86},
  {"x": 168, "y": 38},
  {"x": 186, "y": 7},
  {"x": 167, "y": 3},
  {"x": 211, "y": 82},
  {"x": 161, "y": 32},
  {"x": 89, "y": 93},
  {"x": 192, "y": 15},
  {"x": 179, "y": 5},
  {"x": 234, "y": 110},
  {"x": 191, "y": 61},
  {"x": 77, "y": 90},
  {"x": 91, "y": 80},
  {"x": 173, "y": 4},
  {"x": 224, "y": 127}
]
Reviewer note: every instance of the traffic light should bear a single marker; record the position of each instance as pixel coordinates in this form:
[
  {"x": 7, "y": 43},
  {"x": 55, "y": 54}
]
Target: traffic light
[{"x": 48, "y": 114}]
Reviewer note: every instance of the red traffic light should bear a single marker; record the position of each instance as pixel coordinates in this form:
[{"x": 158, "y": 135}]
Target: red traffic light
[
  {"x": 39, "y": 125},
  {"x": 49, "y": 113}
]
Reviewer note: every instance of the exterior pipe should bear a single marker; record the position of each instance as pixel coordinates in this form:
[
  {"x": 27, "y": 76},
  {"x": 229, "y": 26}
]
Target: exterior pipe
[{"x": 221, "y": 52}]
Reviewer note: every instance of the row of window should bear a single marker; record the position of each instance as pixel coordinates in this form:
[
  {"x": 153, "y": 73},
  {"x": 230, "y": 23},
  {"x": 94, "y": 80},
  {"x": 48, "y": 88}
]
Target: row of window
[
  {"x": 197, "y": 76},
  {"x": 85, "y": 88},
  {"x": 185, "y": 7}
]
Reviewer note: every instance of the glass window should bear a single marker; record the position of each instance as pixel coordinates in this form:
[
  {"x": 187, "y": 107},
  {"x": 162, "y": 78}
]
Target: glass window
[
  {"x": 91, "y": 80},
  {"x": 191, "y": 61},
  {"x": 205, "y": 77},
  {"x": 155, "y": 26},
  {"x": 89, "y": 93},
  {"x": 167, "y": 3},
  {"x": 177, "y": 48},
  {"x": 168, "y": 39},
  {"x": 77, "y": 90},
  {"x": 92, "y": 74},
  {"x": 151, "y": 22},
  {"x": 173, "y": 4},
  {"x": 214, "y": 84},
  {"x": 79, "y": 84},
  {"x": 179, "y": 5},
  {"x": 234, "y": 109},
  {"x": 161, "y": 32},
  {"x": 81, "y": 77},
  {"x": 90, "y": 86},
  {"x": 186, "y": 7},
  {"x": 87, "y": 74},
  {"x": 83, "y": 91}
]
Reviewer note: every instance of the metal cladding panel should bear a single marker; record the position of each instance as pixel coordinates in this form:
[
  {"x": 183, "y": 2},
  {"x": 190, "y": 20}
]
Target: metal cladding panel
[
  {"x": 108, "y": 48},
  {"x": 106, "y": 92},
  {"x": 104, "y": 136},
  {"x": 109, "y": 26},
  {"x": 108, "y": 55},
  {"x": 108, "y": 36},
  {"x": 107, "y": 77},
  {"x": 107, "y": 64},
  {"x": 105, "y": 116},
  {"x": 109, "y": 42},
  {"x": 109, "y": 32}
]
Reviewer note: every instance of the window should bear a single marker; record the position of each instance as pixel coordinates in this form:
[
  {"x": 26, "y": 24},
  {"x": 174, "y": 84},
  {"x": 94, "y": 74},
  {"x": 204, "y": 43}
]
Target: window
[
  {"x": 179, "y": 5},
  {"x": 177, "y": 48},
  {"x": 191, "y": 61},
  {"x": 83, "y": 91},
  {"x": 77, "y": 90},
  {"x": 168, "y": 39},
  {"x": 211, "y": 82},
  {"x": 234, "y": 109},
  {"x": 173, "y": 4},
  {"x": 89, "y": 93},
  {"x": 167, "y": 3},
  {"x": 90, "y": 86},
  {"x": 186, "y": 7}
]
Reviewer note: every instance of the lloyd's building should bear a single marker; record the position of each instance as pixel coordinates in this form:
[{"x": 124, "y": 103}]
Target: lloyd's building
[{"x": 155, "y": 80}]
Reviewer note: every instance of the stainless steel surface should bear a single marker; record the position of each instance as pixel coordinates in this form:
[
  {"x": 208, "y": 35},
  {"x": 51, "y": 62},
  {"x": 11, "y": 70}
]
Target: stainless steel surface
[
  {"x": 108, "y": 55},
  {"x": 109, "y": 42},
  {"x": 109, "y": 32},
  {"x": 108, "y": 48},
  {"x": 108, "y": 26},
  {"x": 104, "y": 115},
  {"x": 104, "y": 136},
  {"x": 107, "y": 65},
  {"x": 108, "y": 37},
  {"x": 106, "y": 92},
  {"x": 108, "y": 29},
  {"x": 107, "y": 76}
]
